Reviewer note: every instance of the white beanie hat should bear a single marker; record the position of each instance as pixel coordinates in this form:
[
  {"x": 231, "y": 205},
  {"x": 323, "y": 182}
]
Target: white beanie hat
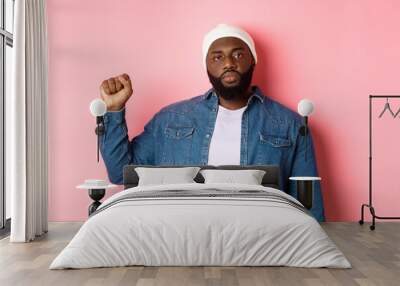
[{"x": 222, "y": 31}]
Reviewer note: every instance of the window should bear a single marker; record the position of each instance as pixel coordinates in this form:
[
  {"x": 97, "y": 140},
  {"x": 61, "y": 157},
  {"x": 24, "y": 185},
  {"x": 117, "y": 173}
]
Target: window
[{"x": 6, "y": 62}]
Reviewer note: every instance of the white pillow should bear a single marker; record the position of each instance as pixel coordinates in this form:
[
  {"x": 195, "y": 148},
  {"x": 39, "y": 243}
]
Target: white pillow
[
  {"x": 162, "y": 176},
  {"x": 249, "y": 176}
]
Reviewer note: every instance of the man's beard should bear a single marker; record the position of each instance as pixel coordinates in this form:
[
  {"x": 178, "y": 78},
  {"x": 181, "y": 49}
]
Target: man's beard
[{"x": 232, "y": 92}]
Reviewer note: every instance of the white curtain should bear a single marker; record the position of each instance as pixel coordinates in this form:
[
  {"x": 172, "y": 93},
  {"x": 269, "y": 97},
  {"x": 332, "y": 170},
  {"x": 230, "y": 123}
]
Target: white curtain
[{"x": 26, "y": 123}]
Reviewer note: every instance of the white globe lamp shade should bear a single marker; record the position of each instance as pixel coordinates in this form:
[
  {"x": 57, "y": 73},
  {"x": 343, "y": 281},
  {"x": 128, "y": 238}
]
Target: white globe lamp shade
[
  {"x": 305, "y": 107},
  {"x": 98, "y": 107}
]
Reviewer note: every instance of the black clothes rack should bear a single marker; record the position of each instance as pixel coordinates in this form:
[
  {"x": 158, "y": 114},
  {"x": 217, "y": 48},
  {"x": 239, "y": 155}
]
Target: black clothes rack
[{"x": 370, "y": 205}]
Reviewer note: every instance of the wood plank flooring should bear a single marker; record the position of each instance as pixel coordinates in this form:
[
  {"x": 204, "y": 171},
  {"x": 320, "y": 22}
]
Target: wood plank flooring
[{"x": 375, "y": 257}]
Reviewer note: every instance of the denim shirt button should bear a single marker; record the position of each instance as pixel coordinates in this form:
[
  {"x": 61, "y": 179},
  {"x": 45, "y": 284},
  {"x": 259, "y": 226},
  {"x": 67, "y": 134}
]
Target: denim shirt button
[{"x": 208, "y": 135}]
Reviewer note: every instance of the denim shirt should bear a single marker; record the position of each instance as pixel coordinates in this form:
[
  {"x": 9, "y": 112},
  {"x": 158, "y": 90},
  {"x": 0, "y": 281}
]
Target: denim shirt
[{"x": 180, "y": 134}]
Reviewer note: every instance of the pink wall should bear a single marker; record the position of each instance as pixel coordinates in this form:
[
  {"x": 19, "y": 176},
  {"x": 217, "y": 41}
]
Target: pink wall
[{"x": 335, "y": 53}]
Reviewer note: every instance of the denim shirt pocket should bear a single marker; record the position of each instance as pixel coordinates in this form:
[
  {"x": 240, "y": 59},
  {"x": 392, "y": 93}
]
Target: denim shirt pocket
[
  {"x": 272, "y": 149},
  {"x": 274, "y": 140},
  {"x": 178, "y": 132},
  {"x": 178, "y": 145}
]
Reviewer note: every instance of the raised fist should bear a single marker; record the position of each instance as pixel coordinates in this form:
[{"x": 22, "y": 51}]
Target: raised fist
[{"x": 116, "y": 91}]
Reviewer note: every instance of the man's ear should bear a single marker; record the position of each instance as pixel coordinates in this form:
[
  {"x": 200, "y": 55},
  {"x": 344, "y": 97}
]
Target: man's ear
[{"x": 253, "y": 60}]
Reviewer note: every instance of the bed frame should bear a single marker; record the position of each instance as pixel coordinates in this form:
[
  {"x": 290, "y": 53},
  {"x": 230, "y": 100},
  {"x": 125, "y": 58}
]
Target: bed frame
[{"x": 270, "y": 179}]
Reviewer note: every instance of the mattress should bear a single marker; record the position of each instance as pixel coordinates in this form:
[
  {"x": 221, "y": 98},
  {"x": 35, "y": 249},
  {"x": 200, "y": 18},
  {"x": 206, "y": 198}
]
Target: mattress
[{"x": 201, "y": 225}]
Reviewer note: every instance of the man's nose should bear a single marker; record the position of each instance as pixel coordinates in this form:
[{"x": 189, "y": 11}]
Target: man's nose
[{"x": 229, "y": 63}]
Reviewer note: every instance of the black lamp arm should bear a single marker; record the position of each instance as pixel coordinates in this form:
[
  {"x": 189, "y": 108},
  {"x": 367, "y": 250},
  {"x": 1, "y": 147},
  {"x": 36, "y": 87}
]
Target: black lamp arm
[
  {"x": 100, "y": 129},
  {"x": 303, "y": 131}
]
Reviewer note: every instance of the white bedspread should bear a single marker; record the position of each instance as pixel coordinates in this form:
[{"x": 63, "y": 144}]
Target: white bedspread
[{"x": 178, "y": 231}]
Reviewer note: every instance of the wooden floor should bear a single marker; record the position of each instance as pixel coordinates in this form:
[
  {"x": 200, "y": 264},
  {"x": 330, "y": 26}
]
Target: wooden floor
[{"x": 375, "y": 257}]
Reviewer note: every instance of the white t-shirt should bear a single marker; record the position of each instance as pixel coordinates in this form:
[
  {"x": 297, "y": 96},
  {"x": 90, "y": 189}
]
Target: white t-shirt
[{"x": 226, "y": 138}]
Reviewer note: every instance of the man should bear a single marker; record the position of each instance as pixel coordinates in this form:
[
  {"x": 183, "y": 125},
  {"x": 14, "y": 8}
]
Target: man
[{"x": 232, "y": 123}]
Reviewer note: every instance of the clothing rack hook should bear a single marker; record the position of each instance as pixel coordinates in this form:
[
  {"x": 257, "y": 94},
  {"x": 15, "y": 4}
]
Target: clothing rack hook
[{"x": 387, "y": 107}]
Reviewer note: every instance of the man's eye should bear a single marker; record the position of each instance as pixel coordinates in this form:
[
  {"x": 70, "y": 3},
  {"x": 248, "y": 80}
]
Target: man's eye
[
  {"x": 217, "y": 58},
  {"x": 238, "y": 55}
]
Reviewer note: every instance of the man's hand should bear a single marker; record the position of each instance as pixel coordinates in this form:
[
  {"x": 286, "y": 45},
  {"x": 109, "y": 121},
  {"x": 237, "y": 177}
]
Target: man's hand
[{"x": 116, "y": 91}]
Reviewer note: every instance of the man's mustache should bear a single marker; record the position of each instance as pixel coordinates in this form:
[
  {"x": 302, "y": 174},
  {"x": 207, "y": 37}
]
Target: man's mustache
[{"x": 240, "y": 75}]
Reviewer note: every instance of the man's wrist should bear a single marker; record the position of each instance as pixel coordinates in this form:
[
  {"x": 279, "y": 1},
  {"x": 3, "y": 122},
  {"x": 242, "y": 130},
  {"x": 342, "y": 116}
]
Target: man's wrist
[{"x": 115, "y": 109}]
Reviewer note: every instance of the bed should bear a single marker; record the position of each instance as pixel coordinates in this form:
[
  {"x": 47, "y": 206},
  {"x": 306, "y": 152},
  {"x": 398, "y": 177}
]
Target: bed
[{"x": 201, "y": 224}]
